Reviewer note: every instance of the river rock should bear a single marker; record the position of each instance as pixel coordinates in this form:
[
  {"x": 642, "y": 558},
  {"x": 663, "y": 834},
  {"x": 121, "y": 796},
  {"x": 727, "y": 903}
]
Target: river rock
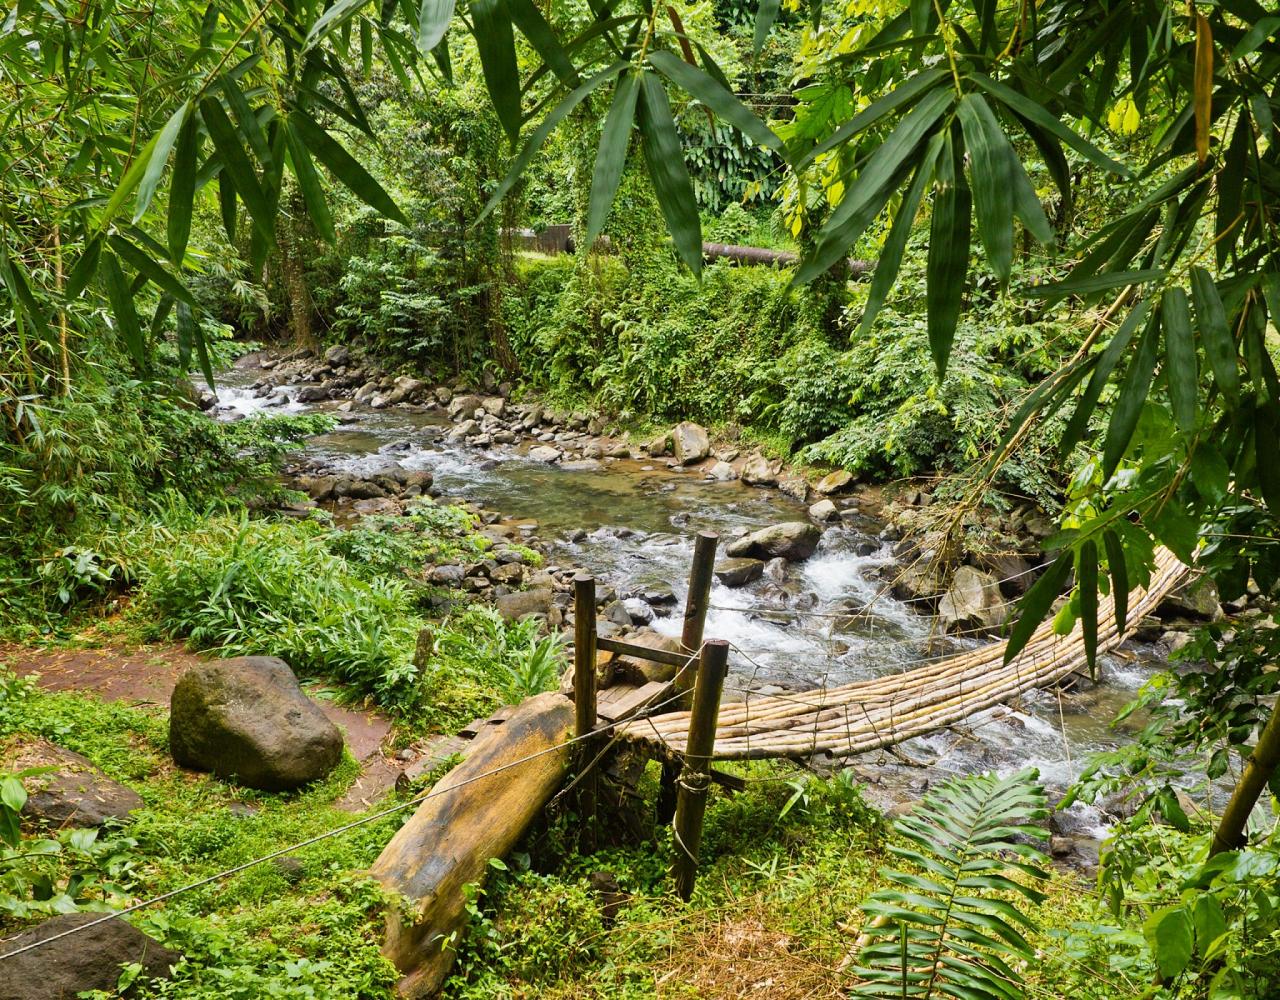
[
  {"x": 659, "y": 594},
  {"x": 833, "y": 482},
  {"x": 583, "y": 465},
  {"x": 738, "y": 571},
  {"x": 247, "y": 719},
  {"x": 87, "y": 960},
  {"x": 795, "y": 487},
  {"x": 637, "y": 670},
  {"x": 535, "y": 601},
  {"x": 776, "y": 570},
  {"x": 758, "y": 471},
  {"x": 1198, "y": 599},
  {"x": 973, "y": 601},
  {"x": 407, "y": 389},
  {"x": 545, "y": 453},
  {"x": 659, "y": 446},
  {"x": 639, "y": 612},
  {"x": 74, "y": 792},
  {"x": 722, "y": 472},
  {"x": 337, "y": 355},
  {"x": 1014, "y": 571},
  {"x": 312, "y": 394},
  {"x": 824, "y": 511},
  {"x": 495, "y": 406},
  {"x": 691, "y": 443},
  {"x": 792, "y": 540},
  {"x": 463, "y": 406}
]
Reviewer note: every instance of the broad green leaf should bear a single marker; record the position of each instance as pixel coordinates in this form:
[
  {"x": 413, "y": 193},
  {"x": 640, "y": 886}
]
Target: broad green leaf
[
  {"x": 948, "y": 261},
  {"x": 765, "y": 16},
  {"x": 539, "y": 136},
  {"x": 1093, "y": 283},
  {"x": 236, "y": 168},
  {"x": 343, "y": 166},
  {"x": 1180, "y": 357},
  {"x": 496, "y": 44},
  {"x": 992, "y": 182},
  {"x": 309, "y": 184},
  {"x": 1119, "y": 577},
  {"x": 1219, "y": 344},
  {"x": 1129, "y": 403},
  {"x": 1026, "y": 203},
  {"x": 665, "y": 159},
  {"x": 182, "y": 191},
  {"x": 143, "y": 263},
  {"x": 894, "y": 250},
  {"x": 1172, "y": 940},
  {"x": 534, "y": 27},
  {"x": 250, "y": 126},
  {"x": 86, "y": 267},
  {"x": 227, "y": 206},
  {"x": 158, "y": 157},
  {"x": 433, "y": 21},
  {"x": 873, "y": 112},
  {"x": 612, "y": 155},
  {"x": 1230, "y": 189},
  {"x": 1253, "y": 39},
  {"x": 1087, "y": 581},
  {"x": 189, "y": 334},
  {"x": 716, "y": 97},
  {"x": 1035, "y": 604},
  {"x": 1039, "y": 115},
  {"x": 121, "y": 299},
  {"x": 1106, "y": 364},
  {"x": 336, "y": 14},
  {"x": 1209, "y": 920},
  {"x": 12, "y": 794}
]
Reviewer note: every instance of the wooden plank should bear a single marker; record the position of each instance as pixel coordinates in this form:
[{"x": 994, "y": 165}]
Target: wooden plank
[
  {"x": 623, "y": 648},
  {"x": 623, "y": 701}
]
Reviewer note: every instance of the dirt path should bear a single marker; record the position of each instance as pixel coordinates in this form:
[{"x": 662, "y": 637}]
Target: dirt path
[{"x": 147, "y": 675}]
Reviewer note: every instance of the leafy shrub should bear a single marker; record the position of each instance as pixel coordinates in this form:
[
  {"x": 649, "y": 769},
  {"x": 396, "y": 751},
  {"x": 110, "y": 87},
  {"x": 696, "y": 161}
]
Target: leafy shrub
[{"x": 241, "y": 586}]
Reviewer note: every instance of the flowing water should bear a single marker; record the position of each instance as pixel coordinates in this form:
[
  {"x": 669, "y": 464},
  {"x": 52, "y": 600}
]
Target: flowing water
[{"x": 639, "y": 522}]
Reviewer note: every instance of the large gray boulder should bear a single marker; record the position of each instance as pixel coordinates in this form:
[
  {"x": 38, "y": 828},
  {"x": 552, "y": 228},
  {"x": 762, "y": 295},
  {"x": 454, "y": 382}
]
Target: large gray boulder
[
  {"x": 793, "y": 541},
  {"x": 972, "y": 602},
  {"x": 691, "y": 442},
  {"x": 247, "y": 719},
  {"x": 87, "y": 960},
  {"x": 738, "y": 571},
  {"x": 70, "y": 790},
  {"x": 759, "y": 471},
  {"x": 535, "y": 601},
  {"x": 1198, "y": 599}
]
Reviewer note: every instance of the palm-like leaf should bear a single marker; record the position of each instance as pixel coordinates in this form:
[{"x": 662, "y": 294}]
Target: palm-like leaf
[{"x": 951, "y": 928}]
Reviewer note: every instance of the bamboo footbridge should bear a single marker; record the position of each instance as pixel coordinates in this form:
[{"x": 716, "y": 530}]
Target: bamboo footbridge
[{"x": 872, "y": 714}]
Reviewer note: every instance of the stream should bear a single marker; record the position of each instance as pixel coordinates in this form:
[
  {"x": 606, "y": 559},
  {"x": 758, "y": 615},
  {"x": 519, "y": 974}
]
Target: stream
[{"x": 633, "y": 523}]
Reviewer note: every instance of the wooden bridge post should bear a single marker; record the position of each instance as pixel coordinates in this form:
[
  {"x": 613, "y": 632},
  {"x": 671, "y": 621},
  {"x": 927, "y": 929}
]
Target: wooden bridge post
[
  {"x": 584, "y": 694},
  {"x": 696, "y": 778},
  {"x": 695, "y": 606}
]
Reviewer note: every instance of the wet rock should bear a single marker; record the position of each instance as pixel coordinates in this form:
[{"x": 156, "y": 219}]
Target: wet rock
[
  {"x": 1198, "y": 600},
  {"x": 619, "y": 451},
  {"x": 463, "y": 430},
  {"x": 658, "y": 594},
  {"x": 722, "y": 472},
  {"x": 366, "y": 392},
  {"x": 792, "y": 540},
  {"x": 247, "y": 719},
  {"x": 508, "y": 573},
  {"x": 616, "y": 612},
  {"x": 794, "y": 487},
  {"x": 74, "y": 792},
  {"x": 824, "y": 511},
  {"x": 406, "y": 390},
  {"x": 833, "y": 482},
  {"x": 495, "y": 406},
  {"x": 921, "y": 576},
  {"x": 1014, "y": 571},
  {"x": 1075, "y": 851},
  {"x": 738, "y": 571},
  {"x": 691, "y": 443},
  {"x": 593, "y": 450},
  {"x": 659, "y": 446},
  {"x": 545, "y": 453},
  {"x": 88, "y": 960},
  {"x": 535, "y": 601},
  {"x": 583, "y": 465},
  {"x": 337, "y": 355},
  {"x": 448, "y": 575},
  {"x": 383, "y": 506},
  {"x": 638, "y": 611},
  {"x": 973, "y": 601},
  {"x": 776, "y": 570},
  {"x": 641, "y": 671},
  {"x": 463, "y": 406}
]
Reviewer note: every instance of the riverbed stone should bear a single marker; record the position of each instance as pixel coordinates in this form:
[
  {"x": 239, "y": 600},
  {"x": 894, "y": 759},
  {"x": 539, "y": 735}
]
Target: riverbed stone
[
  {"x": 833, "y": 482},
  {"x": 640, "y": 671},
  {"x": 545, "y": 453},
  {"x": 973, "y": 601},
  {"x": 659, "y": 446},
  {"x": 495, "y": 406},
  {"x": 1198, "y": 599},
  {"x": 247, "y": 719},
  {"x": 90, "y": 959},
  {"x": 312, "y": 394},
  {"x": 722, "y": 472},
  {"x": 794, "y": 541},
  {"x": 583, "y": 465},
  {"x": 738, "y": 571},
  {"x": 824, "y": 511},
  {"x": 337, "y": 355},
  {"x": 795, "y": 487},
  {"x": 535, "y": 601},
  {"x": 72, "y": 790},
  {"x": 758, "y": 471},
  {"x": 639, "y": 612},
  {"x": 461, "y": 407},
  {"x": 691, "y": 442}
]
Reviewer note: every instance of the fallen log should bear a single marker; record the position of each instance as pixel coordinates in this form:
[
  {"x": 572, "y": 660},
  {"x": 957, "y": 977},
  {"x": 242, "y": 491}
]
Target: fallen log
[{"x": 448, "y": 842}]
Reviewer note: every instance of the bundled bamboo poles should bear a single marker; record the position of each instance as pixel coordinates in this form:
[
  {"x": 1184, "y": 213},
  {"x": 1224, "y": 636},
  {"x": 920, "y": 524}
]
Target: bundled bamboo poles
[{"x": 870, "y": 714}]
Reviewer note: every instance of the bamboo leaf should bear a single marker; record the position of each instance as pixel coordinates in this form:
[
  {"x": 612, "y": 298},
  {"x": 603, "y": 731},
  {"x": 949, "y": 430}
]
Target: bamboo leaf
[
  {"x": 1119, "y": 577},
  {"x": 497, "y": 46},
  {"x": 1129, "y": 403},
  {"x": 343, "y": 166},
  {"x": 122, "y": 310},
  {"x": 1202, "y": 87},
  {"x": 309, "y": 184},
  {"x": 765, "y": 16},
  {"x": 665, "y": 160},
  {"x": 236, "y": 167},
  {"x": 145, "y": 265},
  {"x": 1180, "y": 358},
  {"x": 1219, "y": 345},
  {"x": 992, "y": 184},
  {"x": 535, "y": 28},
  {"x": 948, "y": 261},
  {"x": 1266, "y": 442},
  {"x": 1087, "y": 581},
  {"x": 86, "y": 267},
  {"x": 716, "y": 97},
  {"x": 157, "y": 159},
  {"x": 182, "y": 191},
  {"x": 1035, "y": 604},
  {"x": 324, "y": 25},
  {"x": 433, "y": 21},
  {"x": 612, "y": 155}
]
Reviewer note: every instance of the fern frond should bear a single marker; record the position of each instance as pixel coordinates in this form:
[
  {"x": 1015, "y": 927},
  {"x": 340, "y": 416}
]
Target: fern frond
[{"x": 951, "y": 927}]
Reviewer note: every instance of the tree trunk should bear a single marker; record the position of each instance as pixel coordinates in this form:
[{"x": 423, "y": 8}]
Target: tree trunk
[
  {"x": 448, "y": 842},
  {"x": 301, "y": 308}
]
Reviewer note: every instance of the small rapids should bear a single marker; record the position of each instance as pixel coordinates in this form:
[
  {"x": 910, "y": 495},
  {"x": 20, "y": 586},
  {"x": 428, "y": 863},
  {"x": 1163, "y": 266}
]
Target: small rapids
[{"x": 829, "y": 621}]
